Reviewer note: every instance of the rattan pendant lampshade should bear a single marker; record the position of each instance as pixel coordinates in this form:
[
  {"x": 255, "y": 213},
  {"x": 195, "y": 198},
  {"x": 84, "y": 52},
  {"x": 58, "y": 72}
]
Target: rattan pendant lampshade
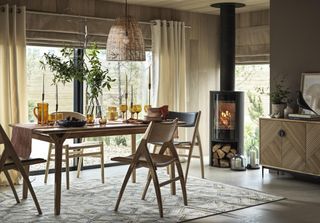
[{"x": 125, "y": 40}]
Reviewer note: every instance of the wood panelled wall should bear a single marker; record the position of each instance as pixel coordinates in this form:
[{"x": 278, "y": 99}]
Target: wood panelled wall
[
  {"x": 295, "y": 48},
  {"x": 202, "y": 44}
]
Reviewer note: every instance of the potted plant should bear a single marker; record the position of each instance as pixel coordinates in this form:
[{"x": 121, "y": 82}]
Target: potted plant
[
  {"x": 97, "y": 79},
  {"x": 278, "y": 99},
  {"x": 65, "y": 70}
]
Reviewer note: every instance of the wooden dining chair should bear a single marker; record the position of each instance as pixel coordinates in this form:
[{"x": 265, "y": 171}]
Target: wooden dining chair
[
  {"x": 9, "y": 160},
  {"x": 156, "y": 132},
  {"x": 191, "y": 121},
  {"x": 76, "y": 150}
]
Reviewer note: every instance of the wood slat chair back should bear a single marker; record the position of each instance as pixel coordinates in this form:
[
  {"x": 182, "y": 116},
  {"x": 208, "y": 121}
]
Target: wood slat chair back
[
  {"x": 156, "y": 132},
  {"x": 160, "y": 132},
  {"x": 10, "y": 160},
  {"x": 76, "y": 150},
  {"x": 191, "y": 120}
]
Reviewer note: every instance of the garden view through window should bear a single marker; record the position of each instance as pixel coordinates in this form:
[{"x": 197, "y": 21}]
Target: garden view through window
[
  {"x": 137, "y": 75},
  {"x": 253, "y": 79}
]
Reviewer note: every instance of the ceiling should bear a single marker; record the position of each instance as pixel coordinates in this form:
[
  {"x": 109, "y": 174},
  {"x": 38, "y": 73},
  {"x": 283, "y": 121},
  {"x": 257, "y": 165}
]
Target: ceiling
[{"x": 199, "y": 6}]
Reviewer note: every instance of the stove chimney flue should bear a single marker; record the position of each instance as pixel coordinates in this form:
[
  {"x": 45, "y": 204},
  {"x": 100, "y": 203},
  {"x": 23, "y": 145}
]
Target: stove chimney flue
[{"x": 227, "y": 44}]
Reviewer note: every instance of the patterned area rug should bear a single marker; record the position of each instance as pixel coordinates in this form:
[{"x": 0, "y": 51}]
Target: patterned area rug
[{"x": 94, "y": 202}]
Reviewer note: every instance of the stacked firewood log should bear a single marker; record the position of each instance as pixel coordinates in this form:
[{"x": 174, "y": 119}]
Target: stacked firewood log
[{"x": 222, "y": 154}]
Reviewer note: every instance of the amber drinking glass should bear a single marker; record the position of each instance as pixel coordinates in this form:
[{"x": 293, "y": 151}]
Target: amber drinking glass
[
  {"x": 138, "y": 110},
  {"x": 123, "y": 109},
  {"x": 90, "y": 119},
  {"x": 41, "y": 112},
  {"x": 132, "y": 110}
]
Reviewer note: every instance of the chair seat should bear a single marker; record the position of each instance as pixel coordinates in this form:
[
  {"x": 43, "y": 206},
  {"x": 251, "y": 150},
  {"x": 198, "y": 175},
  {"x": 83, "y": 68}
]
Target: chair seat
[
  {"x": 157, "y": 159},
  {"x": 25, "y": 162},
  {"x": 86, "y": 144},
  {"x": 176, "y": 143}
]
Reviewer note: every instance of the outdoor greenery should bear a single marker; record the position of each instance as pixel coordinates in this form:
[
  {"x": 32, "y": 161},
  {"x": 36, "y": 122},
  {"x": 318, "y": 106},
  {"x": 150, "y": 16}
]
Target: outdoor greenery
[
  {"x": 256, "y": 100},
  {"x": 255, "y": 110}
]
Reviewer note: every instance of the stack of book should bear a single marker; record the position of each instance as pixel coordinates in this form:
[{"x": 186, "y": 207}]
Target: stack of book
[{"x": 310, "y": 117}]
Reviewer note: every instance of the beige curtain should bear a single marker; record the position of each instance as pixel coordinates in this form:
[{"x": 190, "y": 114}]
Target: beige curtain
[
  {"x": 169, "y": 64},
  {"x": 13, "y": 107}
]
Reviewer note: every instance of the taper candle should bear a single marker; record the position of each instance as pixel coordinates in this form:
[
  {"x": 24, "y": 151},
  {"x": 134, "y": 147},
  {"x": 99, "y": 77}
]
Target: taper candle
[
  {"x": 149, "y": 85},
  {"x": 56, "y": 97},
  {"x": 42, "y": 86},
  {"x": 131, "y": 94},
  {"x": 126, "y": 85}
]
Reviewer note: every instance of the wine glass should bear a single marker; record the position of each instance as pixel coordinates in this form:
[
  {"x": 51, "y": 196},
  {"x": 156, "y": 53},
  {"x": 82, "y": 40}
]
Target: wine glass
[
  {"x": 123, "y": 108},
  {"x": 132, "y": 110},
  {"x": 138, "y": 110}
]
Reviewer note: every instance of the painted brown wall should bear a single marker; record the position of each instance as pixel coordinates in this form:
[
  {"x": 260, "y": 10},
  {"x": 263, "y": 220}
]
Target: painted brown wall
[
  {"x": 201, "y": 42},
  {"x": 295, "y": 41}
]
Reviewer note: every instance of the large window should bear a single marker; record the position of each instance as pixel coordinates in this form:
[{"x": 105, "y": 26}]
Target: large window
[
  {"x": 253, "y": 80},
  {"x": 137, "y": 73},
  {"x": 34, "y": 83}
]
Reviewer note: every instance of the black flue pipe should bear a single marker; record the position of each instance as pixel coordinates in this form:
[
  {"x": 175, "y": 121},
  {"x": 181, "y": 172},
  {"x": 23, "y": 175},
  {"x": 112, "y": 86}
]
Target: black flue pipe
[{"x": 227, "y": 44}]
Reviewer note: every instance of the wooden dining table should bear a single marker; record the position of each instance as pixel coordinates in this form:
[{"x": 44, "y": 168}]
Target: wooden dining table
[{"x": 58, "y": 135}]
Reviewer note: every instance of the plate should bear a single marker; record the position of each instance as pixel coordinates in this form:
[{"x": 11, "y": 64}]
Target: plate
[{"x": 70, "y": 123}]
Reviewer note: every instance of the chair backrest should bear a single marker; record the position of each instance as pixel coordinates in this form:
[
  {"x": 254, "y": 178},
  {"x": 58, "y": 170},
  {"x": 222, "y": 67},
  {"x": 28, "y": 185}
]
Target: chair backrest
[
  {"x": 71, "y": 115},
  {"x": 8, "y": 152},
  {"x": 190, "y": 118},
  {"x": 160, "y": 131}
]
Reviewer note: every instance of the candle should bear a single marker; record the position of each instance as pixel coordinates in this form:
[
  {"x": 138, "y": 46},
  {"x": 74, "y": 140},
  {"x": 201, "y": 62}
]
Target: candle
[
  {"x": 149, "y": 77},
  {"x": 131, "y": 95},
  {"x": 42, "y": 86},
  {"x": 126, "y": 94},
  {"x": 56, "y": 97},
  {"x": 149, "y": 85}
]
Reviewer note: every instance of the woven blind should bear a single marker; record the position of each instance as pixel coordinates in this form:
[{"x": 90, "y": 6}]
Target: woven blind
[
  {"x": 253, "y": 38},
  {"x": 50, "y": 30}
]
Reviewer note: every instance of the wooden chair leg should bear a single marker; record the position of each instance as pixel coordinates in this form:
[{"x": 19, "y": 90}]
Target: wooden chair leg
[
  {"x": 67, "y": 169},
  {"x": 182, "y": 182},
  {"x": 102, "y": 163},
  {"x": 147, "y": 186},
  {"x": 48, "y": 164},
  {"x": 172, "y": 176},
  {"x": 157, "y": 190},
  {"x": 24, "y": 186},
  {"x": 6, "y": 173},
  {"x": 79, "y": 164},
  {"x": 201, "y": 155},
  {"x": 124, "y": 184},
  {"x": 188, "y": 163},
  {"x": 28, "y": 184}
]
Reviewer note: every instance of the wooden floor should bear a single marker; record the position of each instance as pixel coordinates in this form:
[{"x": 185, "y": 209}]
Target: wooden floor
[{"x": 302, "y": 203}]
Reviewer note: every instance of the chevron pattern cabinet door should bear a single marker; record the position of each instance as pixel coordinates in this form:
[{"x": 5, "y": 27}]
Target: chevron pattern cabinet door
[
  {"x": 270, "y": 143},
  {"x": 313, "y": 149},
  {"x": 294, "y": 146}
]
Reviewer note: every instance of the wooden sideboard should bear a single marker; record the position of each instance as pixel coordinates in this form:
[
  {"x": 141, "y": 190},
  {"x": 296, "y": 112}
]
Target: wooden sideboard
[{"x": 290, "y": 145}]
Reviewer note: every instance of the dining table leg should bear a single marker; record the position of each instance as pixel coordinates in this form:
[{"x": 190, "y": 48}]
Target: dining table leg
[
  {"x": 58, "y": 142},
  {"x": 133, "y": 150}
]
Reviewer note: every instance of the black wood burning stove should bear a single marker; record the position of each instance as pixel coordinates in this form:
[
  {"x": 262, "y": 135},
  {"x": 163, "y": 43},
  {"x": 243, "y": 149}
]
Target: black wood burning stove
[
  {"x": 226, "y": 105},
  {"x": 226, "y": 125}
]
